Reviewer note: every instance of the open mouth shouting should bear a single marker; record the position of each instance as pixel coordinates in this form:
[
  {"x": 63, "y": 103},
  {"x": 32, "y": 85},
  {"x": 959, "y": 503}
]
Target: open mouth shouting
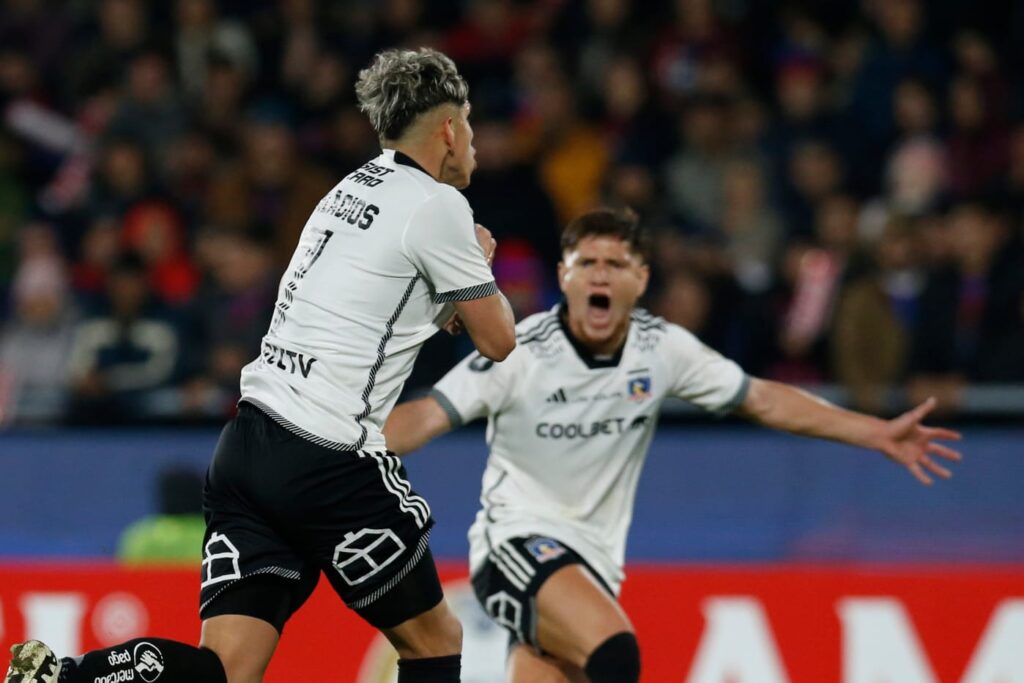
[{"x": 599, "y": 310}]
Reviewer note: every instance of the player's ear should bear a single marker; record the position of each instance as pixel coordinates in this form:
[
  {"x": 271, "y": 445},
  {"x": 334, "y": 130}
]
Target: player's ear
[
  {"x": 644, "y": 279},
  {"x": 448, "y": 133}
]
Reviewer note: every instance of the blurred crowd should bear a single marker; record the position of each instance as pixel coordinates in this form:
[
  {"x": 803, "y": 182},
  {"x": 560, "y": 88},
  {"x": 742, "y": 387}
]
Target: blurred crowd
[{"x": 835, "y": 190}]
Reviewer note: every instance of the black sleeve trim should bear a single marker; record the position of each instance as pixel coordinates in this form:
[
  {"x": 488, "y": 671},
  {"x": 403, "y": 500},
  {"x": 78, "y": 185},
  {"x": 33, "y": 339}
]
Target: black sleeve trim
[
  {"x": 737, "y": 400},
  {"x": 453, "y": 415},
  {"x": 467, "y": 293}
]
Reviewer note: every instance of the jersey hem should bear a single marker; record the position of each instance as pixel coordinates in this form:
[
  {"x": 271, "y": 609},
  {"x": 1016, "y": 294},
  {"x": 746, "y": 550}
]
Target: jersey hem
[{"x": 297, "y": 430}]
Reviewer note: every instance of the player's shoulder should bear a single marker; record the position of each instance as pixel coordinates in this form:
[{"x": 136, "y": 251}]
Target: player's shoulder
[
  {"x": 643, "y": 319},
  {"x": 443, "y": 201},
  {"x": 538, "y": 327},
  {"x": 655, "y": 334}
]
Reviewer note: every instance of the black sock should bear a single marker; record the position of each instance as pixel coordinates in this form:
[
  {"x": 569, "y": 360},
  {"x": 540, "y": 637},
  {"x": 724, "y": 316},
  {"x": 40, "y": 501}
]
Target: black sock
[
  {"x": 145, "y": 660},
  {"x": 430, "y": 670}
]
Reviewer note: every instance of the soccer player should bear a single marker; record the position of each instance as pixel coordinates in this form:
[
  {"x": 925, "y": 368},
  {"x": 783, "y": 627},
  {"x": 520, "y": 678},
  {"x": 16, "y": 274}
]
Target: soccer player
[
  {"x": 571, "y": 414},
  {"x": 301, "y": 481}
]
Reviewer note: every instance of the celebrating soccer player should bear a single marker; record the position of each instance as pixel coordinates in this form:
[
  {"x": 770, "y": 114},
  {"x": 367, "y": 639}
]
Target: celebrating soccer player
[
  {"x": 301, "y": 481},
  {"x": 571, "y": 415}
]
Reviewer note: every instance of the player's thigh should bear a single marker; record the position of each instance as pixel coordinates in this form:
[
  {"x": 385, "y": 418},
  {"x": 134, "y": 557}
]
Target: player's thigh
[
  {"x": 368, "y": 531},
  {"x": 575, "y": 614},
  {"x": 250, "y": 568},
  {"x": 244, "y": 645},
  {"x": 526, "y": 665}
]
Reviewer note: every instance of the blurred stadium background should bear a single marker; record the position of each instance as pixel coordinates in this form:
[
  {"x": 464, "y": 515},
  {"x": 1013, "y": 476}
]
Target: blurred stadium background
[{"x": 836, "y": 191}]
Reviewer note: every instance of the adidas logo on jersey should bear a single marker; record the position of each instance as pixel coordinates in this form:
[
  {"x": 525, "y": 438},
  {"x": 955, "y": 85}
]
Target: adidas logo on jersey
[{"x": 557, "y": 397}]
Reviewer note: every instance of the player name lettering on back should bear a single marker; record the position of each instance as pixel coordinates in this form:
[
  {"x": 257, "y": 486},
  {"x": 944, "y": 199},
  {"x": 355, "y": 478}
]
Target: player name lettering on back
[
  {"x": 287, "y": 360},
  {"x": 609, "y": 427},
  {"x": 350, "y": 208}
]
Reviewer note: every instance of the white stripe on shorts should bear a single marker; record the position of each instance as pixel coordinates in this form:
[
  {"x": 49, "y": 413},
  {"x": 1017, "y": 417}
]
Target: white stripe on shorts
[
  {"x": 414, "y": 505},
  {"x": 519, "y": 559},
  {"x": 513, "y": 577}
]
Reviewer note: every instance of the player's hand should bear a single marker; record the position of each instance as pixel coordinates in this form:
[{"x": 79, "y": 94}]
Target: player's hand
[
  {"x": 454, "y": 326},
  {"x": 908, "y": 442},
  {"x": 487, "y": 242}
]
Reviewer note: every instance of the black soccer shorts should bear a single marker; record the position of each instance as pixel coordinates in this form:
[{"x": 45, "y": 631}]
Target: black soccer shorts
[
  {"x": 508, "y": 582},
  {"x": 279, "y": 505}
]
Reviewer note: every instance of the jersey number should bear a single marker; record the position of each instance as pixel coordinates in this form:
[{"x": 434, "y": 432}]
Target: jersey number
[{"x": 284, "y": 302}]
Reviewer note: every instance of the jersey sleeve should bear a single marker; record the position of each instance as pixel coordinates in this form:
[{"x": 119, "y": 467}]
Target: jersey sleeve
[
  {"x": 703, "y": 376},
  {"x": 475, "y": 388},
  {"x": 440, "y": 240}
]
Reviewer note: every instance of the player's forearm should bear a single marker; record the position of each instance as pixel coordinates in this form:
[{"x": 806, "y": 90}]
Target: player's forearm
[
  {"x": 491, "y": 325},
  {"x": 414, "y": 423},
  {"x": 786, "y": 408}
]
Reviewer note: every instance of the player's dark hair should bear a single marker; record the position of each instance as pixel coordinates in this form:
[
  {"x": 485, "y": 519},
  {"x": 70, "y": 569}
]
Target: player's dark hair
[
  {"x": 621, "y": 223},
  {"x": 402, "y": 84}
]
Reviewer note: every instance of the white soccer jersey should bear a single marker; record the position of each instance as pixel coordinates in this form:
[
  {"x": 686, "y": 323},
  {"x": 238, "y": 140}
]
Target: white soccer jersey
[
  {"x": 377, "y": 264},
  {"x": 568, "y": 433}
]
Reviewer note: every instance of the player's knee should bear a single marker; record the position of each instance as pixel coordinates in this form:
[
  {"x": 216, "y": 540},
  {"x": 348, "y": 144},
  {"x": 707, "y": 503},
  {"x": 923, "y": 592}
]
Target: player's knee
[
  {"x": 450, "y": 637},
  {"x": 616, "y": 660},
  {"x": 435, "y": 635}
]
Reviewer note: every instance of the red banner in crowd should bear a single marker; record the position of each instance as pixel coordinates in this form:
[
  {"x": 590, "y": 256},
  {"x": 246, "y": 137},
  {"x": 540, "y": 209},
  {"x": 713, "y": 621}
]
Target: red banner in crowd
[{"x": 774, "y": 624}]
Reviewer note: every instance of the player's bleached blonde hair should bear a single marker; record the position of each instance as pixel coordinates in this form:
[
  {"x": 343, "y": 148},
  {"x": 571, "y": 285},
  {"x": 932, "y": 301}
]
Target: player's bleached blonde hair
[{"x": 402, "y": 84}]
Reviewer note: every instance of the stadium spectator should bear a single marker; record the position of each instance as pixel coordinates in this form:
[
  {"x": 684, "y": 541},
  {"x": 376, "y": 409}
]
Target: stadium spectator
[
  {"x": 121, "y": 28},
  {"x": 237, "y": 298},
  {"x": 99, "y": 248},
  {"x": 694, "y": 175},
  {"x": 685, "y": 300},
  {"x": 508, "y": 193},
  {"x": 969, "y": 322},
  {"x": 151, "y": 111},
  {"x": 349, "y": 141},
  {"x": 977, "y": 143},
  {"x": 876, "y": 316},
  {"x": 202, "y": 33},
  {"x": 814, "y": 172},
  {"x": 154, "y": 232},
  {"x": 190, "y": 164},
  {"x": 694, "y": 38},
  {"x": 901, "y": 49},
  {"x": 124, "y": 176},
  {"x": 572, "y": 155},
  {"x": 14, "y": 202},
  {"x": 273, "y": 185},
  {"x": 732, "y": 129},
  {"x": 750, "y": 229},
  {"x": 490, "y": 34},
  {"x": 34, "y": 344},
  {"x": 121, "y": 355}
]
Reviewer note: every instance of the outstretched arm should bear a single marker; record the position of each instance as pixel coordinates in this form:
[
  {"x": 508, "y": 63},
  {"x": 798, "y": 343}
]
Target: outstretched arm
[
  {"x": 903, "y": 440},
  {"x": 412, "y": 424}
]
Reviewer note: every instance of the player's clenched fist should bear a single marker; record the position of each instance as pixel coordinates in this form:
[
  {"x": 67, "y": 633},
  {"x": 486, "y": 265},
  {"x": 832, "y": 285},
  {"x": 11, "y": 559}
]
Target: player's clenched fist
[{"x": 487, "y": 242}]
